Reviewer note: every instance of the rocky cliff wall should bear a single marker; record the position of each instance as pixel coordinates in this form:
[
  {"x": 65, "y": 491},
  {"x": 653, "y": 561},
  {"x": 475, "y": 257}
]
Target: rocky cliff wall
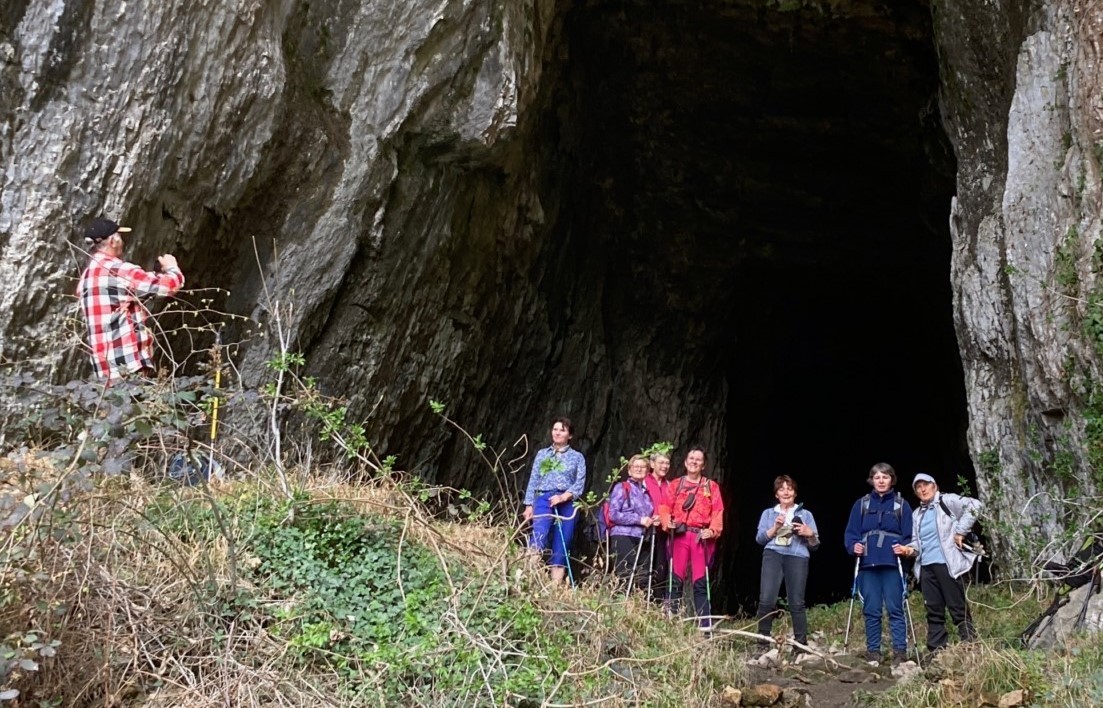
[
  {"x": 407, "y": 176},
  {"x": 358, "y": 162},
  {"x": 1022, "y": 98},
  {"x": 392, "y": 174}
]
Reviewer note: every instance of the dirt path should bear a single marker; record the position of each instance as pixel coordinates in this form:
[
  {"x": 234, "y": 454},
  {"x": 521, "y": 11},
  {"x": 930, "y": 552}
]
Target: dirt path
[
  {"x": 837, "y": 694},
  {"x": 828, "y": 687}
]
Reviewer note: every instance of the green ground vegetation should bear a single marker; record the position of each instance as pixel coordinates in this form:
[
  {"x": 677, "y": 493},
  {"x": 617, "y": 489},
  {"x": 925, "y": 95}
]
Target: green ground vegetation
[
  {"x": 350, "y": 583},
  {"x": 120, "y": 591},
  {"x": 346, "y": 594}
]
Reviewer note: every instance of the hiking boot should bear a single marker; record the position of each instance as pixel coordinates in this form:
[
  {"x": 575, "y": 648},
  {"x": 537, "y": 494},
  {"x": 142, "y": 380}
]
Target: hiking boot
[
  {"x": 899, "y": 656},
  {"x": 873, "y": 656},
  {"x": 930, "y": 655}
]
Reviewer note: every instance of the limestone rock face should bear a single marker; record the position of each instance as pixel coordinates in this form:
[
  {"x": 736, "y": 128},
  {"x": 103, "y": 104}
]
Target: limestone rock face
[
  {"x": 530, "y": 208},
  {"x": 387, "y": 177},
  {"x": 324, "y": 163},
  {"x": 1024, "y": 108}
]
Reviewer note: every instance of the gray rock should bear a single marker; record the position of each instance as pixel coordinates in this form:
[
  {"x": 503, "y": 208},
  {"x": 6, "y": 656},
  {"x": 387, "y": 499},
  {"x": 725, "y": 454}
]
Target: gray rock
[
  {"x": 1082, "y": 613},
  {"x": 858, "y": 676},
  {"x": 402, "y": 175},
  {"x": 795, "y": 698},
  {"x": 1024, "y": 221}
]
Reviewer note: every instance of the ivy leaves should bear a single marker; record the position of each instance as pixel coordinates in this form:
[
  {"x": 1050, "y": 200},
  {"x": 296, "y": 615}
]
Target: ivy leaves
[{"x": 341, "y": 569}]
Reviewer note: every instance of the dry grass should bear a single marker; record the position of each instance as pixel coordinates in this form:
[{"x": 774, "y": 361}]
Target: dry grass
[
  {"x": 145, "y": 614},
  {"x": 137, "y": 614}
]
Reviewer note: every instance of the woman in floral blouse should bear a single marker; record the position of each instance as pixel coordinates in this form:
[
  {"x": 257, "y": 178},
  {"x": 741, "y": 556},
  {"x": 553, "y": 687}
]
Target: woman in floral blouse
[{"x": 558, "y": 479}]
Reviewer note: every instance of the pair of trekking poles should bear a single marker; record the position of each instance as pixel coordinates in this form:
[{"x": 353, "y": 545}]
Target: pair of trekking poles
[
  {"x": 650, "y": 533},
  {"x": 908, "y": 620}
]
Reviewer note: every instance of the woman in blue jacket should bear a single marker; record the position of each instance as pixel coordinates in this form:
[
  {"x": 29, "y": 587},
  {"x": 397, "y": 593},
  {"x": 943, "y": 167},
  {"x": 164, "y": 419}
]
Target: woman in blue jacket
[{"x": 878, "y": 533}]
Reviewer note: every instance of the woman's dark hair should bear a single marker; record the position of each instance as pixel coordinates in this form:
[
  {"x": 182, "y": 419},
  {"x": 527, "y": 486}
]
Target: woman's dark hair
[
  {"x": 566, "y": 423},
  {"x": 884, "y": 468},
  {"x": 698, "y": 448},
  {"x": 784, "y": 479}
]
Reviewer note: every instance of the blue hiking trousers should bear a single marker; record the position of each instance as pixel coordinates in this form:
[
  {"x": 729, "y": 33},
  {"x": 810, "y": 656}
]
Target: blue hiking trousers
[
  {"x": 556, "y": 532},
  {"x": 881, "y": 588}
]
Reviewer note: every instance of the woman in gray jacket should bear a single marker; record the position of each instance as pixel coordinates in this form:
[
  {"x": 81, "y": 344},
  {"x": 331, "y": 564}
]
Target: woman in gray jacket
[{"x": 939, "y": 527}]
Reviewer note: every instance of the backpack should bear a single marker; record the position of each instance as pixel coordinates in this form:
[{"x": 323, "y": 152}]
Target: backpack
[
  {"x": 704, "y": 487},
  {"x": 897, "y": 507},
  {"x": 604, "y": 520}
]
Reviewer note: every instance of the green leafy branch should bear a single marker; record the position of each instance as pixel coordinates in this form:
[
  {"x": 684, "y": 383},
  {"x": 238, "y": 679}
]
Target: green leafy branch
[{"x": 504, "y": 471}]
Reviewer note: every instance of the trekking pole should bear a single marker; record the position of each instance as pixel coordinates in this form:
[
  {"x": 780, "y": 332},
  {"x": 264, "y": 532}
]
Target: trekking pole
[
  {"x": 908, "y": 619},
  {"x": 608, "y": 543},
  {"x": 563, "y": 540},
  {"x": 651, "y": 564},
  {"x": 1093, "y": 585},
  {"x": 708, "y": 582},
  {"x": 708, "y": 593},
  {"x": 853, "y": 594},
  {"x": 635, "y": 564},
  {"x": 670, "y": 584}
]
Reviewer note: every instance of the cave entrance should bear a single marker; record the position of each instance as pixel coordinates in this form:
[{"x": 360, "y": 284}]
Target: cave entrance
[{"x": 768, "y": 187}]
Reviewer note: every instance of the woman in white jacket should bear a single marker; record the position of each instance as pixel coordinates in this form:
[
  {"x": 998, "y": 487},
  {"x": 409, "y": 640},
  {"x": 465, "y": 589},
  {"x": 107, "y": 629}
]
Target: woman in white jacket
[{"x": 939, "y": 528}]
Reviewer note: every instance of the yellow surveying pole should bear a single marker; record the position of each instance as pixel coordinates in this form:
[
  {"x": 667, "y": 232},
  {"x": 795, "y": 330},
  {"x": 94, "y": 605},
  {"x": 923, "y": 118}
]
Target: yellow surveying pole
[{"x": 216, "y": 359}]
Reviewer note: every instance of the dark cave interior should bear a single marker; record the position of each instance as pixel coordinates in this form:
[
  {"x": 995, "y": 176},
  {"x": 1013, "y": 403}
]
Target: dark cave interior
[{"x": 768, "y": 194}]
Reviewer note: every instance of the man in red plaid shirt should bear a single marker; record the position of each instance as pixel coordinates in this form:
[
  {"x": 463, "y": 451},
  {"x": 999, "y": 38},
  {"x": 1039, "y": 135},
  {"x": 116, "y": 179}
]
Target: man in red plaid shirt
[{"x": 111, "y": 292}]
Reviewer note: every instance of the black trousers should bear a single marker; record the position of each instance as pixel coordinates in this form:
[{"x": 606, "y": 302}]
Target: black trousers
[
  {"x": 942, "y": 593},
  {"x": 625, "y": 549},
  {"x": 794, "y": 571}
]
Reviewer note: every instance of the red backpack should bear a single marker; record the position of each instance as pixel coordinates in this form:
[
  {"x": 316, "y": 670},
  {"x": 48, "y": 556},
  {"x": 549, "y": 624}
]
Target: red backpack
[{"x": 604, "y": 522}]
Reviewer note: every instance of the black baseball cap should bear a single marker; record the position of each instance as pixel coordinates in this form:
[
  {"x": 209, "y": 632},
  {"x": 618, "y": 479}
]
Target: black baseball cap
[{"x": 101, "y": 228}]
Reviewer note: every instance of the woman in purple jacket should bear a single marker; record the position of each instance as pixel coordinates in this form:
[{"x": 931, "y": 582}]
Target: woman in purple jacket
[{"x": 631, "y": 513}]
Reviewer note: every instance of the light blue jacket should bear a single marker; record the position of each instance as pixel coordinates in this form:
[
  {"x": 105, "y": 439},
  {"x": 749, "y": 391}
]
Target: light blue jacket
[
  {"x": 800, "y": 545},
  {"x": 960, "y": 520}
]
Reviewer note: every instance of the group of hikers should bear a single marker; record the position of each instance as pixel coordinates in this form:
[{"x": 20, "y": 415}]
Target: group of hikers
[
  {"x": 681, "y": 519},
  {"x": 689, "y": 513}
]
